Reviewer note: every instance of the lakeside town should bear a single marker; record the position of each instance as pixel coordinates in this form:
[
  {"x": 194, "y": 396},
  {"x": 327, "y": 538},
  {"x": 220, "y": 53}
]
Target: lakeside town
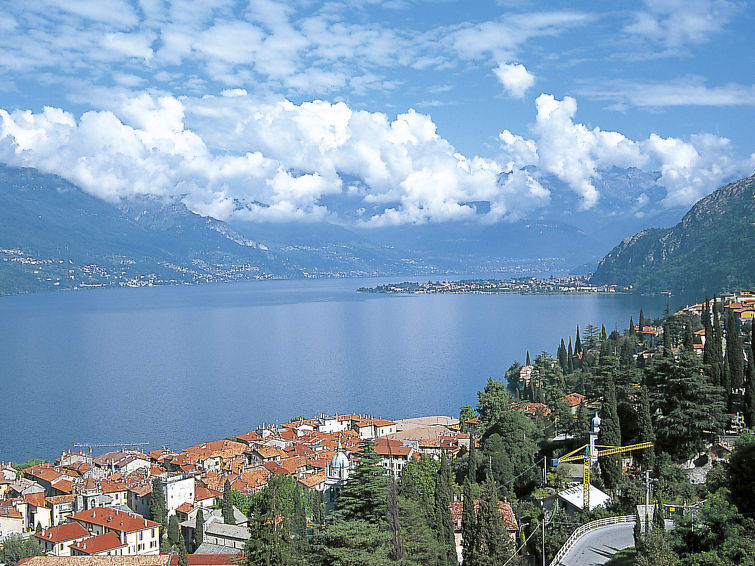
[
  {"x": 88, "y": 505},
  {"x": 569, "y": 284}
]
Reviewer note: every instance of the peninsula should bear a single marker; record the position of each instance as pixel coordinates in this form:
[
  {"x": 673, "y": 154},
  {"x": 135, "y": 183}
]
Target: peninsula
[{"x": 523, "y": 285}]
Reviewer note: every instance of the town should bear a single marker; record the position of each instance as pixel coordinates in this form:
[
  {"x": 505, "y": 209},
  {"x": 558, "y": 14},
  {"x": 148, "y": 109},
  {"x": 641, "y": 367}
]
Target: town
[
  {"x": 118, "y": 504},
  {"x": 522, "y": 285}
]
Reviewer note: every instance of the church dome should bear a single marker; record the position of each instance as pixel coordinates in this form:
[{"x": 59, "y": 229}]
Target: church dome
[{"x": 339, "y": 460}]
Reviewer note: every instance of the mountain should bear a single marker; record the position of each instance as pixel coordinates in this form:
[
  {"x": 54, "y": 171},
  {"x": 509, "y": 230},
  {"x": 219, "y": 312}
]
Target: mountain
[{"x": 713, "y": 247}]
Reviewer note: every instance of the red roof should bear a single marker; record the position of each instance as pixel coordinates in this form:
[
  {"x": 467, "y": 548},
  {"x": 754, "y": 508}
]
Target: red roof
[
  {"x": 62, "y": 533},
  {"x": 99, "y": 543},
  {"x": 386, "y": 447},
  {"x": 504, "y": 508},
  {"x": 113, "y": 519}
]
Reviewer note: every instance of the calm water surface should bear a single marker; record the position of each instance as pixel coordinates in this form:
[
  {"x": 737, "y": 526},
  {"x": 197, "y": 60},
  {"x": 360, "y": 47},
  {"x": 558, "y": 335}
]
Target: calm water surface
[{"x": 180, "y": 365}]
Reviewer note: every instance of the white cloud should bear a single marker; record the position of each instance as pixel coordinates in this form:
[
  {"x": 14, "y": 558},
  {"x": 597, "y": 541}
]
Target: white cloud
[
  {"x": 686, "y": 91},
  {"x": 575, "y": 154},
  {"x": 515, "y": 78}
]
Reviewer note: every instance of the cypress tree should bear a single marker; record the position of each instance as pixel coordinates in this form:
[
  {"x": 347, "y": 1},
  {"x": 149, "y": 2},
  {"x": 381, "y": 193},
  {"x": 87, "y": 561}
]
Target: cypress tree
[
  {"x": 528, "y": 358},
  {"x": 734, "y": 353},
  {"x": 578, "y": 344},
  {"x": 492, "y": 542},
  {"x": 228, "y": 517},
  {"x": 708, "y": 331},
  {"x": 610, "y": 435},
  {"x": 631, "y": 327},
  {"x": 562, "y": 361},
  {"x": 637, "y": 531},
  {"x": 183, "y": 560},
  {"x": 173, "y": 530},
  {"x": 689, "y": 338},
  {"x": 603, "y": 335},
  {"x": 749, "y": 409},
  {"x": 157, "y": 506},
  {"x": 468, "y": 526},
  {"x": 667, "y": 353},
  {"x": 645, "y": 425},
  {"x": 198, "y": 529},
  {"x": 658, "y": 517},
  {"x": 642, "y": 321},
  {"x": 394, "y": 524},
  {"x": 570, "y": 357},
  {"x": 472, "y": 462},
  {"x": 444, "y": 528}
]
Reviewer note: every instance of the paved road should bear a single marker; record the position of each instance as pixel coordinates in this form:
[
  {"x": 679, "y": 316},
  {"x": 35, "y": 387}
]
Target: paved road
[{"x": 599, "y": 545}]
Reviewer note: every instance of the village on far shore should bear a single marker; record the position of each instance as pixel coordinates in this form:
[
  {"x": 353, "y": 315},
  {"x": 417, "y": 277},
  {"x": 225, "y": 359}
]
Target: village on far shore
[{"x": 85, "y": 505}]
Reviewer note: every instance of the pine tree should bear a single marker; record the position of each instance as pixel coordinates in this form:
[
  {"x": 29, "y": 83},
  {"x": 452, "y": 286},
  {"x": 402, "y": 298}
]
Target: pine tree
[
  {"x": 610, "y": 435},
  {"x": 364, "y": 495},
  {"x": 444, "y": 528},
  {"x": 468, "y": 526},
  {"x": 198, "y": 529},
  {"x": 646, "y": 433},
  {"x": 228, "y": 517}
]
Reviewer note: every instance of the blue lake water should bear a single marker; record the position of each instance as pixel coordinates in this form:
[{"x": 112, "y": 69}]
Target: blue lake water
[{"x": 177, "y": 366}]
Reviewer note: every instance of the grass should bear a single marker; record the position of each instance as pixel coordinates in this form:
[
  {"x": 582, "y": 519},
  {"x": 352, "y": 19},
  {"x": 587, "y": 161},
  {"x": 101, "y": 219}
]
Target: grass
[{"x": 623, "y": 558}]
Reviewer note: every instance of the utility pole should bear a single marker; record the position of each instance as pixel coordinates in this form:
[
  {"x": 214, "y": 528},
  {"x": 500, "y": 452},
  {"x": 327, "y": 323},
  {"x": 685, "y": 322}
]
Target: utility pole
[
  {"x": 543, "y": 535},
  {"x": 545, "y": 472}
]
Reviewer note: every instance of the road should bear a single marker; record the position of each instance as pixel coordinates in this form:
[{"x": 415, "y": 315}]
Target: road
[{"x": 599, "y": 545}]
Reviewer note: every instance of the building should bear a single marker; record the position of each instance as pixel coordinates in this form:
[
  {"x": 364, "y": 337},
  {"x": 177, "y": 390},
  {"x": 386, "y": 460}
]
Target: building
[
  {"x": 139, "y": 535},
  {"x": 58, "y": 540},
  {"x": 394, "y": 455}
]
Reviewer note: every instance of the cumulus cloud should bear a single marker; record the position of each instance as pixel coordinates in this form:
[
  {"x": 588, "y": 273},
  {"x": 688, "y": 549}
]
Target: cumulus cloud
[
  {"x": 575, "y": 154},
  {"x": 515, "y": 78},
  {"x": 213, "y": 152}
]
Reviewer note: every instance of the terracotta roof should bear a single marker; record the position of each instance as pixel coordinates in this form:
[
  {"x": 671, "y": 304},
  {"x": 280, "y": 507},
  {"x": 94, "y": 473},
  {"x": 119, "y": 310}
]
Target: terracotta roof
[
  {"x": 114, "y": 519},
  {"x": 311, "y": 480},
  {"x": 504, "y": 508},
  {"x": 224, "y": 449},
  {"x": 45, "y": 474},
  {"x": 108, "y": 486},
  {"x": 268, "y": 452},
  {"x": 36, "y": 499},
  {"x": 473, "y": 420},
  {"x": 99, "y": 543},
  {"x": 66, "y": 486},
  {"x": 185, "y": 508},
  {"x": 386, "y": 447},
  {"x": 62, "y": 533},
  {"x": 201, "y": 492},
  {"x": 574, "y": 399},
  {"x": 292, "y": 464},
  {"x": 275, "y": 468},
  {"x": 249, "y": 436},
  {"x": 56, "y": 499}
]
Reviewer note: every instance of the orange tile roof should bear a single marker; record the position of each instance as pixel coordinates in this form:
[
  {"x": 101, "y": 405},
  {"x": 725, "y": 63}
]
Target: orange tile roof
[
  {"x": 62, "y": 533},
  {"x": 275, "y": 468},
  {"x": 108, "y": 486},
  {"x": 66, "y": 486},
  {"x": 268, "y": 452},
  {"x": 113, "y": 519},
  {"x": 202, "y": 493},
  {"x": 311, "y": 480},
  {"x": 45, "y": 474},
  {"x": 386, "y": 447},
  {"x": 185, "y": 508},
  {"x": 206, "y": 559},
  {"x": 291, "y": 465},
  {"x": 55, "y": 499},
  {"x": 225, "y": 449},
  {"x": 574, "y": 399},
  {"x": 249, "y": 436},
  {"x": 504, "y": 508},
  {"x": 99, "y": 543},
  {"x": 36, "y": 499}
]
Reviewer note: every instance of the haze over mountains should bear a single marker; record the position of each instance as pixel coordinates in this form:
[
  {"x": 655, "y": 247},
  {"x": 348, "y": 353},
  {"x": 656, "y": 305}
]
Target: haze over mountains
[{"x": 56, "y": 235}]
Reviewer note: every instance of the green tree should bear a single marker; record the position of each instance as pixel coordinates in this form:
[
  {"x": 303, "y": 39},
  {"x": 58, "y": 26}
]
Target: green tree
[
  {"x": 646, "y": 432},
  {"x": 749, "y": 400},
  {"x": 173, "y": 530},
  {"x": 364, "y": 495},
  {"x": 472, "y": 461},
  {"x": 563, "y": 417},
  {"x": 735, "y": 360},
  {"x": 492, "y": 402},
  {"x": 742, "y": 474},
  {"x": 493, "y": 546},
  {"x": 198, "y": 529},
  {"x": 421, "y": 548},
  {"x": 562, "y": 359},
  {"x": 658, "y": 551},
  {"x": 394, "y": 522},
  {"x": 157, "y": 506},
  {"x": 465, "y": 413},
  {"x": 182, "y": 558},
  {"x": 15, "y": 548},
  {"x": 570, "y": 359},
  {"x": 270, "y": 525},
  {"x": 610, "y": 435},
  {"x": 444, "y": 522},
  {"x": 418, "y": 480},
  {"x": 637, "y": 532},
  {"x": 227, "y": 505},
  {"x": 468, "y": 526}
]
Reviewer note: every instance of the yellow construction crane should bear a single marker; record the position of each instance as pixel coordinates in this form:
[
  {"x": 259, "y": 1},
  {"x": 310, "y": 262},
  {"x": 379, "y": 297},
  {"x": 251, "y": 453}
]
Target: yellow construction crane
[
  {"x": 589, "y": 453},
  {"x": 108, "y": 444}
]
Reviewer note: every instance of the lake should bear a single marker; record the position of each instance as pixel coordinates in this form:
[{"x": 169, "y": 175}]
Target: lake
[{"x": 176, "y": 366}]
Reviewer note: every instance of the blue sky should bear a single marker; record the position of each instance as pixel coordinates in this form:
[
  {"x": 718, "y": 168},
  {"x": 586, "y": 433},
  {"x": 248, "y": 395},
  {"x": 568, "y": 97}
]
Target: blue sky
[{"x": 404, "y": 109}]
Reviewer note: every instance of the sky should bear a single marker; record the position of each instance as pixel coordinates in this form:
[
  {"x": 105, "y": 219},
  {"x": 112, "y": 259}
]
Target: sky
[{"x": 402, "y": 111}]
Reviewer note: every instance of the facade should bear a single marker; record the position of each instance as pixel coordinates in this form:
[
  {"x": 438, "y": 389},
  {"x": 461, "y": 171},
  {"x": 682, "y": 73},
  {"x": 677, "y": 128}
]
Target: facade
[
  {"x": 57, "y": 541},
  {"x": 139, "y": 535}
]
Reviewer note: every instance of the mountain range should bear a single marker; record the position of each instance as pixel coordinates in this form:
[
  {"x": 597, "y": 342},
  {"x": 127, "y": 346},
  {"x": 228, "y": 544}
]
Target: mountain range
[
  {"x": 712, "y": 248},
  {"x": 55, "y": 235}
]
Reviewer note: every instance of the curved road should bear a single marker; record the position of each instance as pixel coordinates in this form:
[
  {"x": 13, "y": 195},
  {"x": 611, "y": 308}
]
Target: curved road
[{"x": 599, "y": 545}]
